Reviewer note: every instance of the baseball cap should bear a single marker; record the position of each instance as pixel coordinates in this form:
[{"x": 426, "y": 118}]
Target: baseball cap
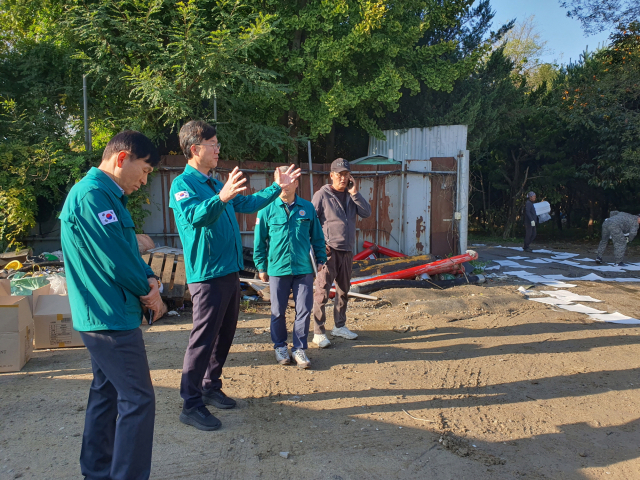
[
  {"x": 531, "y": 194},
  {"x": 340, "y": 165}
]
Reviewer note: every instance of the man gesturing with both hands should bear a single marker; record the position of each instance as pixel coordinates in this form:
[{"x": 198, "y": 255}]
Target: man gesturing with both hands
[{"x": 204, "y": 210}]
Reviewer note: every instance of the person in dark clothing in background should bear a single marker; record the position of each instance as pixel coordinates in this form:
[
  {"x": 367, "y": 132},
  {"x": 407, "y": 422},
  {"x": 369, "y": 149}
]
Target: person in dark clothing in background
[{"x": 530, "y": 221}]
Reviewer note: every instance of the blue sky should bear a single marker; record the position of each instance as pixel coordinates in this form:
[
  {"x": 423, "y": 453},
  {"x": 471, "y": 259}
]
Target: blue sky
[{"x": 564, "y": 35}]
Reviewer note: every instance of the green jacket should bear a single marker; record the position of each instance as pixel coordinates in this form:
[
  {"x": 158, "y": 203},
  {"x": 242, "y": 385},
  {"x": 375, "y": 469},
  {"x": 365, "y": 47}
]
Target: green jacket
[
  {"x": 282, "y": 239},
  {"x": 105, "y": 273},
  {"x": 208, "y": 227}
]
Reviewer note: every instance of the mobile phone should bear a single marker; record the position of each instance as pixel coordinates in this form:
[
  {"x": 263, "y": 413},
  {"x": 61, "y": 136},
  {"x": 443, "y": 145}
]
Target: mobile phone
[
  {"x": 350, "y": 184},
  {"x": 149, "y": 316}
]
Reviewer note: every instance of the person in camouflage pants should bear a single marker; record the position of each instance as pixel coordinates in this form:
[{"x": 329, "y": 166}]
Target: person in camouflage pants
[{"x": 621, "y": 228}]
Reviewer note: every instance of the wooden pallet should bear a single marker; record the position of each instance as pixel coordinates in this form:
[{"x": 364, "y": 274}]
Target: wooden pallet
[{"x": 170, "y": 269}]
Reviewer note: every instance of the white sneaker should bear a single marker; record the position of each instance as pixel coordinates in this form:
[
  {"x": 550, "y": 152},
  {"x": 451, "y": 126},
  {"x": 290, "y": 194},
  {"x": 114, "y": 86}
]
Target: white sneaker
[
  {"x": 344, "y": 332},
  {"x": 301, "y": 358},
  {"x": 321, "y": 340},
  {"x": 282, "y": 356}
]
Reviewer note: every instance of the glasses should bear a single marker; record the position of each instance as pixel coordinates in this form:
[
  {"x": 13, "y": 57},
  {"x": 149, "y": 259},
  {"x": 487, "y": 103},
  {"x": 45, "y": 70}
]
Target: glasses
[
  {"x": 342, "y": 174},
  {"x": 214, "y": 145}
]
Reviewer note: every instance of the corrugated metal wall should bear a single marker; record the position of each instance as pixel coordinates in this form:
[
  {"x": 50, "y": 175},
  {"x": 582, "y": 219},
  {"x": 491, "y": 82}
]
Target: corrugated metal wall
[{"x": 421, "y": 143}]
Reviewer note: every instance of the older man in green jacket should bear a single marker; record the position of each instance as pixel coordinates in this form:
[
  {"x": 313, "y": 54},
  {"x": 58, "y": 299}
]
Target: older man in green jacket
[
  {"x": 204, "y": 210},
  {"x": 285, "y": 233},
  {"x": 108, "y": 282}
]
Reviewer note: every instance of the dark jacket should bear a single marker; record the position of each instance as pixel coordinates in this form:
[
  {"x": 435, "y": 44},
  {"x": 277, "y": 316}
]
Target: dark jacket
[
  {"x": 338, "y": 225},
  {"x": 530, "y": 214}
]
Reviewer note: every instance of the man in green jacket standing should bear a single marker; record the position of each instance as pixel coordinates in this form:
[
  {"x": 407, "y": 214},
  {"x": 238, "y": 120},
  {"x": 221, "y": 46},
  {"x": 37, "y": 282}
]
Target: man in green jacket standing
[
  {"x": 285, "y": 232},
  {"x": 205, "y": 209},
  {"x": 107, "y": 282}
]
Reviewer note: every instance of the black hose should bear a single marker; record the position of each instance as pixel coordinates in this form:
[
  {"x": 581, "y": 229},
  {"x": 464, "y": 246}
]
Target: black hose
[{"x": 376, "y": 285}]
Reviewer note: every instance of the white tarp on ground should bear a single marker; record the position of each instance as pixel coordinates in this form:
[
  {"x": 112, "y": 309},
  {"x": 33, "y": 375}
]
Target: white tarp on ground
[
  {"x": 565, "y": 300},
  {"x": 615, "y": 317}
]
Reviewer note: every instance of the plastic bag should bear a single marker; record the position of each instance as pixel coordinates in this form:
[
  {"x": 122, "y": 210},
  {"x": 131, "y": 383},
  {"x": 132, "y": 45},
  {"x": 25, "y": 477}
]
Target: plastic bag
[
  {"x": 544, "y": 218},
  {"x": 58, "y": 284},
  {"x": 26, "y": 285}
]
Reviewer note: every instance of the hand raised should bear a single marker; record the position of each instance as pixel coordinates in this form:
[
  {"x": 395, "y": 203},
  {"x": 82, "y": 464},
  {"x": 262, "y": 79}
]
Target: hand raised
[
  {"x": 288, "y": 177},
  {"x": 233, "y": 186},
  {"x": 354, "y": 189}
]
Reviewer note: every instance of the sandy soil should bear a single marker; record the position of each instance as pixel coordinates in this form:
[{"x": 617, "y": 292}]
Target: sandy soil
[{"x": 472, "y": 382}]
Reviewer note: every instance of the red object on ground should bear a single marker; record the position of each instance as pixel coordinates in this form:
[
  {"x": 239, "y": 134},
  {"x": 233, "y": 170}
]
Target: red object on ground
[
  {"x": 383, "y": 250},
  {"x": 447, "y": 265},
  {"x": 365, "y": 253}
]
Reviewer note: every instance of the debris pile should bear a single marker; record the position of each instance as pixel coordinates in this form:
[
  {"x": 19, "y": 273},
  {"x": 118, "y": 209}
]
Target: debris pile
[
  {"x": 395, "y": 270},
  {"x": 27, "y": 272}
]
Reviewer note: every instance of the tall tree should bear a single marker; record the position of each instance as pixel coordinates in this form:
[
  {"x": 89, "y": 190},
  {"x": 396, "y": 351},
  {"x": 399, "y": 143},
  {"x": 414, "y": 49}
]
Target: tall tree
[
  {"x": 350, "y": 61},
  {"x": 600, "y": 15}
]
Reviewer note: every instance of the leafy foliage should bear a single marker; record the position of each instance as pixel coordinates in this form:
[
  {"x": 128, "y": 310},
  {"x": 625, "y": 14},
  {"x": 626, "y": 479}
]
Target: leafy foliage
[{"x": 598, "y": 15}]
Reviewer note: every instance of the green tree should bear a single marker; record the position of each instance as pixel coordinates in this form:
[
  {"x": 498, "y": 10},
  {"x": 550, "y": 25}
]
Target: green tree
[
  {"x": 598, "y": 15},
  {"x": 350, "y": 62}
]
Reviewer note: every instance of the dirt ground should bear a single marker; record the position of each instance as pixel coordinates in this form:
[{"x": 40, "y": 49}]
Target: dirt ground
[{"x": 471, "y": 382}]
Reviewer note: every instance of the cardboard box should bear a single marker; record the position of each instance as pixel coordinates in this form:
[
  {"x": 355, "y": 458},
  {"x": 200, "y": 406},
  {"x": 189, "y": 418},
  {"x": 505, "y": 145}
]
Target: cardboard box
[
  {"x": 16, "y": 330},
  {"x": 52, "y": 318},
  {"x": 16, "y": 349}
]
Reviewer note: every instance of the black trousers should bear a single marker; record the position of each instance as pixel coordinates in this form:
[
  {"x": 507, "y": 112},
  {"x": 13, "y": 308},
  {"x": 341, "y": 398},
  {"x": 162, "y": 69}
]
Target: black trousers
[
  {"x": 216, "y": 305},
  {"x": 529, "y": 235},
  {"x": 118, "y": 427}
]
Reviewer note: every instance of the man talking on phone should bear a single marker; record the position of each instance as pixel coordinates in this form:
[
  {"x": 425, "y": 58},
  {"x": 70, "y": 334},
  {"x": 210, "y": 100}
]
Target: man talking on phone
[{"x": 338, "y": 205}]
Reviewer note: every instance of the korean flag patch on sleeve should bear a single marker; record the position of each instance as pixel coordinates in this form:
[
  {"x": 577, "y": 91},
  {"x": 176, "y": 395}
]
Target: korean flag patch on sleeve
[
  {"x": 107, "y": 217},
  {"x": 181, "y": 195}
]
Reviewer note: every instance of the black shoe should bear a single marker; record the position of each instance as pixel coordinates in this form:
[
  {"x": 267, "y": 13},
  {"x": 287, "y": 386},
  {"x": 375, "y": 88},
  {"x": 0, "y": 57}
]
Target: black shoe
[
  {"x": 526, "y": 250},
  {"x": 622, "y": 264},
  {"x": 200, "y": 418},
  {"x": 598, "y": 260},
  {"x": 218, "y": 399}
]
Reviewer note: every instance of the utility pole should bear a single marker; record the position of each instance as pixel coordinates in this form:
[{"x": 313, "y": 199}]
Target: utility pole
[{"x": 87, "y": 132}]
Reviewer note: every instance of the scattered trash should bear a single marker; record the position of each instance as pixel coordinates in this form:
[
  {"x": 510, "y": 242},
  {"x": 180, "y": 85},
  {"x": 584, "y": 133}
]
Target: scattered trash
[
  {"x": 402, "y": 328},
  {"x": 13, "y": 265},
  {"x": 284, "y": 454},
  {"x": 173, "y": 313},
  {"x": 26, "y": 285},
  {"x": 375, "y": 285},
  {"x": 416, "y": 418},
  {"x": 529, "y": 293},
  {"x": 58, "y": 284}
]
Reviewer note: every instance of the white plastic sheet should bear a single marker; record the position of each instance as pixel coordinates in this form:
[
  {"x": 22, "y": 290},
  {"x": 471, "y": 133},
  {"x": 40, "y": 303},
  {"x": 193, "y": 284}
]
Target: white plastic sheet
[
  {"x": 567, "y": 295},
  {"x": 578, "y": 308},
  {"x": 615, "y": 317}
]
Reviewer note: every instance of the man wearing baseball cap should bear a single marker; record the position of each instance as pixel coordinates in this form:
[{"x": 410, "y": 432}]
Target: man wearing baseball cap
[{"x": 338, "y": 205}]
